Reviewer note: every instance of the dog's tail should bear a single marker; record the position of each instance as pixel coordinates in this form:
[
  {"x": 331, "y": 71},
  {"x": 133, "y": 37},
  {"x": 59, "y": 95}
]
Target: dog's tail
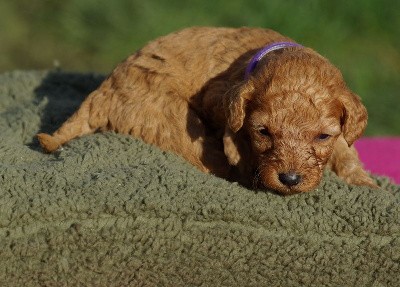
[{"x": 91, "y": 116}]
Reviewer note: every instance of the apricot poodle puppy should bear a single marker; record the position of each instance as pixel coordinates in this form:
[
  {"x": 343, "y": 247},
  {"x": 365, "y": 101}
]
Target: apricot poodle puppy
[{"x": 248, "y": 105}]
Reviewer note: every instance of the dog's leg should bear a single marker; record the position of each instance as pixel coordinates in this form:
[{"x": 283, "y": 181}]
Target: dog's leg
[
  {"x": 347, "y": 165},
  {"x": 91, "y": 115},
  {"x": 147, "y": 112},
  {"x": 168, "y": 122}
]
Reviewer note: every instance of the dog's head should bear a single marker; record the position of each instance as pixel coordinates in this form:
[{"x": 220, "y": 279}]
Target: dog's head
[{"x": 289, "y": 113}]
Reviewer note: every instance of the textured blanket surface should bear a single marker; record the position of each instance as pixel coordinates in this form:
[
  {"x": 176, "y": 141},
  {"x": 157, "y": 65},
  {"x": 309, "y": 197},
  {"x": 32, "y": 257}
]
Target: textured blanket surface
[{"x": 109, "y": 210}]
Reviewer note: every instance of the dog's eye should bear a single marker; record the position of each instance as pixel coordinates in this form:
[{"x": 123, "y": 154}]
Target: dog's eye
[
  {"x": 322, "y": 137},
  {"x": 264, "y": 131}
]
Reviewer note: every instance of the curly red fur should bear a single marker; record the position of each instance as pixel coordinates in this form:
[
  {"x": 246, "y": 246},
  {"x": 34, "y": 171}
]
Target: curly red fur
[{"x": 186, "y": 93}]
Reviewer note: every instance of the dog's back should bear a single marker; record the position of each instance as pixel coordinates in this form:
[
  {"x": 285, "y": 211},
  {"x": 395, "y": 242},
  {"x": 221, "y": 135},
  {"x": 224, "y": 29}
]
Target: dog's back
[
  {"x": 191, "y": 57},
  {"x": 158, "y": 93}
]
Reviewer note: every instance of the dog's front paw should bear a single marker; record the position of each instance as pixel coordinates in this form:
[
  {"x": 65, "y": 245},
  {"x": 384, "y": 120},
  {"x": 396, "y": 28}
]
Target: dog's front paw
[
  {"x": 48, "y": 142},
  {"x": 361, "y": 178}
]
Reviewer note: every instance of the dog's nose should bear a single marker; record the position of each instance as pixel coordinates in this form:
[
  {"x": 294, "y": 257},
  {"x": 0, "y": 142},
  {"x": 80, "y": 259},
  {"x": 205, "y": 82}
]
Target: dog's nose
[{"x": 290, "y": 178}]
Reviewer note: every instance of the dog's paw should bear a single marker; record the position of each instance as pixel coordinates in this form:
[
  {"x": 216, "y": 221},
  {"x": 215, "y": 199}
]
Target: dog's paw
[
  {"x": 48, "y": 142},
  {"x": 361, "y": 178}
]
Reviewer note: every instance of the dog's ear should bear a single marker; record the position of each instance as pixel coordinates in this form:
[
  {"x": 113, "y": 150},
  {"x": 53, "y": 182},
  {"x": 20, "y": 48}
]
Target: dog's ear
[
  {"x": 235, "y": 105},
  {"x": 354, "y": 117}
]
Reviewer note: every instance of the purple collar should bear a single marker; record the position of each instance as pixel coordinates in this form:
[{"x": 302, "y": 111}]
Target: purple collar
[{"x": 264, "y": 51}]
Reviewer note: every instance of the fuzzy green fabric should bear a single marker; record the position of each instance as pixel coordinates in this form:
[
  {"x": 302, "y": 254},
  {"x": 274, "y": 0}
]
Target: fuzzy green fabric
[{"x": 109, "y": 210}]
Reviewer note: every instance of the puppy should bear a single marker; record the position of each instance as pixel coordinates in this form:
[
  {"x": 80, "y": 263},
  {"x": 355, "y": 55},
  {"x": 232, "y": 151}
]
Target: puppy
[{"x": 248, "y": 105}]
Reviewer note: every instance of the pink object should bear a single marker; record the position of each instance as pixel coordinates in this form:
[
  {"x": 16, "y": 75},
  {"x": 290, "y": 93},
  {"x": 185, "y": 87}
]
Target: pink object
[{"x": 381, "y": 156}]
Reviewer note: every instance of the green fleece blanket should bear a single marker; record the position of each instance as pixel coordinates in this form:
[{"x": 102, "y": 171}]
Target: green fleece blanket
[{"x": 109, "y": 210}]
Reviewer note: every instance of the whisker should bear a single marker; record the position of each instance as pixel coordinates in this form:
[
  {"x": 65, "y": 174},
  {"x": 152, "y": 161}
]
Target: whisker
[{"x": 257, "y": 176}]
